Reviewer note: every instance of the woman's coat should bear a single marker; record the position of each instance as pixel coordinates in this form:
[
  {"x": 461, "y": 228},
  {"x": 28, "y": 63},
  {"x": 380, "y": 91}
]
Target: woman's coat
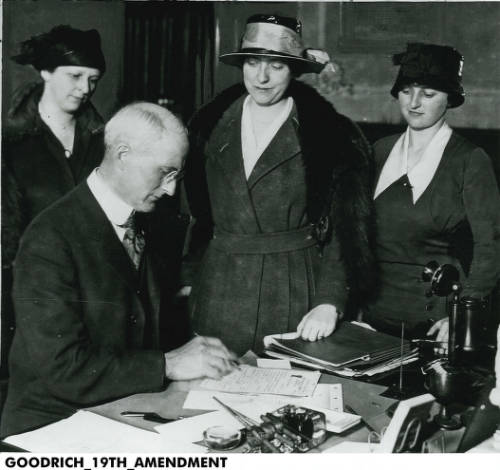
[{"x": 240, "y": 297}]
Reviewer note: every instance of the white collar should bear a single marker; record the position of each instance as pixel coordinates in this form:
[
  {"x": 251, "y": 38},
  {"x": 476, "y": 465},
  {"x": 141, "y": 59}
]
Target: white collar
[
  {"x": 117, "y": 211},
  {"x": 422, "y": 173},
  {"x": 253, "y": 146}
]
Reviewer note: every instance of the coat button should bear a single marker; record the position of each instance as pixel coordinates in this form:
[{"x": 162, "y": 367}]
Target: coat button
[{"x": 429, "y": 307}]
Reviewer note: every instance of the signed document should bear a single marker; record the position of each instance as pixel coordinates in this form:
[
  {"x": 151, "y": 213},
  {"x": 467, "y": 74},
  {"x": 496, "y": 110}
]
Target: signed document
[{"x": 249, "y": 379}]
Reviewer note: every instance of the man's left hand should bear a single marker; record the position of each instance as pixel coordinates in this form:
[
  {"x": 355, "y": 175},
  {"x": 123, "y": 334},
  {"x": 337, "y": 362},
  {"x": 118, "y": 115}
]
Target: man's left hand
[{"x": 318, "y": 323}]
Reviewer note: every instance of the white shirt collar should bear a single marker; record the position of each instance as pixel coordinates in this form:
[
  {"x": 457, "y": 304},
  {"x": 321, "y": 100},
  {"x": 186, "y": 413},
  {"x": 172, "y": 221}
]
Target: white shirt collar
[
  {"x": 117, "y": 211},
  {"x": 422, "y": 173},
  {"x": 253, "y": 146}
]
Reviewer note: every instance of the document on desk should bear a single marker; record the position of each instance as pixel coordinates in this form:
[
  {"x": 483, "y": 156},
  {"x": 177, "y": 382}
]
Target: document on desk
[
  {"x": 254, "y": 406},
  {"x": 322, "y": 397},
  {"x": 86, "y": 432},
  {"x": 249, "y": 379}
]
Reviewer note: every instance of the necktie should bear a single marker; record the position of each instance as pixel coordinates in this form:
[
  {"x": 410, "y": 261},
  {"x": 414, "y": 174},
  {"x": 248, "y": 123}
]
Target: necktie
[{"x": 133, "y": 240}]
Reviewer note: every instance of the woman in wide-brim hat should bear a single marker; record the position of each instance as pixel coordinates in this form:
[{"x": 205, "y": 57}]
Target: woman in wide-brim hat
[
  {"x": 278, "y": 182},
  {"x": 51, "y": 137},
  {"x": 436, "y": 199}
]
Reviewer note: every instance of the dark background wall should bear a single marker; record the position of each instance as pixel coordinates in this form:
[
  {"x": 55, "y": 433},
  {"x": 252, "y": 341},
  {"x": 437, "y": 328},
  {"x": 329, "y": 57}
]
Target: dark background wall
[{"x": 361, "y": 37}]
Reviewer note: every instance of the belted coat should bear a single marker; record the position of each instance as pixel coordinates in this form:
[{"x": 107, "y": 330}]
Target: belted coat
[{"x": 318, "y": 164}]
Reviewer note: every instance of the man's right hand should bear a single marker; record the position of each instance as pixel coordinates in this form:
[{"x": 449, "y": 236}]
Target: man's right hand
[{"x": 201, "y": 357}]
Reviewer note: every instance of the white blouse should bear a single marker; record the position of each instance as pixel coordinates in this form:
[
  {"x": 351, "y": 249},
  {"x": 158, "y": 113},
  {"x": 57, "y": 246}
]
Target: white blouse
[{"x": 252, "y": 146}]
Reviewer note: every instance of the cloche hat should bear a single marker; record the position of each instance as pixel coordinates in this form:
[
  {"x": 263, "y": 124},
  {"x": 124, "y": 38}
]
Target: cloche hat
[
  {"x": 274, "y": 36},
  {"x": 438, "y": 67},
  {"x": 63, "y": 45}
]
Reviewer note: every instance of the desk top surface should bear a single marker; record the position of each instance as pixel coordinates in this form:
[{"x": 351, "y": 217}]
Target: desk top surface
[{"x": 364, "y": 398}]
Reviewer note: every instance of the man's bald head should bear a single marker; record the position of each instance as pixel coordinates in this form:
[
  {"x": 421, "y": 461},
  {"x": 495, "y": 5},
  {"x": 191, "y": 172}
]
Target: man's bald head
[
  {"x": 141, "y": 123},
  {"x": 145, "y": 143}
]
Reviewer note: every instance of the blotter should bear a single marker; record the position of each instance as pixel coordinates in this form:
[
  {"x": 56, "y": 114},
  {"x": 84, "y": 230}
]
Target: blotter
[{"x": 254, "y": 406}]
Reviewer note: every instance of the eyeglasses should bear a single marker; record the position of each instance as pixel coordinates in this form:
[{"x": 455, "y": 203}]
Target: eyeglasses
[{"x": 174, "y": 175}]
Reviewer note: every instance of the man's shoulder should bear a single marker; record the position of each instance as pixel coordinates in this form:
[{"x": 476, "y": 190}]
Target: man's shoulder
[{"x": 62, "y": 215}]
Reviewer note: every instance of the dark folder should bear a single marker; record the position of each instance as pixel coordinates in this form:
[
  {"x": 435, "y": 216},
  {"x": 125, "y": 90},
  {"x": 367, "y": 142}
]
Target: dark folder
[{"x": 349, "y": 345}]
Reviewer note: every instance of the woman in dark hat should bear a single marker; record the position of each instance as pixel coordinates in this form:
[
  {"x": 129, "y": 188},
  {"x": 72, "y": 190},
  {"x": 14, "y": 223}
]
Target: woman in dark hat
[
  {"x": 278, "y": 182},
  {"x": 436, "y": 199},
  {"x": 51, "y": 137}
]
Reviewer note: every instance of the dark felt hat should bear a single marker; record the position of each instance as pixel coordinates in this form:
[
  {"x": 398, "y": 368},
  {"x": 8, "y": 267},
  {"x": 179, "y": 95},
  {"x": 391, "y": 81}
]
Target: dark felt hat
[
  {"x": 277, "y": 37},
  {"x": 63, "y": 45},
  {"x": 431, "y": 65}
]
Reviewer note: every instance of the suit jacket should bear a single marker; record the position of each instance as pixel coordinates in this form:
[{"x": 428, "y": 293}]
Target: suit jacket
[{"x": 83, "y": 335}]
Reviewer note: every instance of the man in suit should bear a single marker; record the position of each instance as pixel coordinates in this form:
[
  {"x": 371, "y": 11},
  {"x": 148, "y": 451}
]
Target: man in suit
[{"x": 88, "y": 284}]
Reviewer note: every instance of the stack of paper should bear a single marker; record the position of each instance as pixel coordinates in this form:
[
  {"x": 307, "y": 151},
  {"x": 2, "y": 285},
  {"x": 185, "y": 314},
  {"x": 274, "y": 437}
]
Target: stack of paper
[
  {"x": 88, "y": 432},
  {"x": 351, "y": 351}
]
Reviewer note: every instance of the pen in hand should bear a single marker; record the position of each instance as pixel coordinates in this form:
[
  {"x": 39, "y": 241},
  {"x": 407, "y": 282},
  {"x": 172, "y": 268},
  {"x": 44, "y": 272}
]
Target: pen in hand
[{"x": 236, "y": 363}]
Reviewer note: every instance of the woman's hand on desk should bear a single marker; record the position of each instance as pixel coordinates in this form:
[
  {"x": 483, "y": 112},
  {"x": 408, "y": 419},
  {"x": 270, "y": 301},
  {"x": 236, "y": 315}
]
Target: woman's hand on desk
[
  {"x": 495, "y": 392},
  {"x": 201, "y": 357},
  {"x": 184, "y": 291},
  {"x": 319, "y": 322},
  {"x": 440, "y": 329}
]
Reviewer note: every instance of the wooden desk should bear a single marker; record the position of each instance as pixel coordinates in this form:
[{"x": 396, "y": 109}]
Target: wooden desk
[{"x": 364, "y": 398}]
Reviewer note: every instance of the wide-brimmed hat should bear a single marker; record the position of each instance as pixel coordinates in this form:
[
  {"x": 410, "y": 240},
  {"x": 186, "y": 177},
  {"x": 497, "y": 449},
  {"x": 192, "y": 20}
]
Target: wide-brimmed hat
[
  {"x": 61, "y": 46},
  {"x": 431, "y": 65},
  {"x": 275, "y": 37}
]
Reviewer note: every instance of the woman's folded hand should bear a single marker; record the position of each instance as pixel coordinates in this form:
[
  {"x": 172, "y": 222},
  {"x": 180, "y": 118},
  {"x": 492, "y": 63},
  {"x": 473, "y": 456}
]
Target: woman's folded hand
[{"x": 318, "y": 323}]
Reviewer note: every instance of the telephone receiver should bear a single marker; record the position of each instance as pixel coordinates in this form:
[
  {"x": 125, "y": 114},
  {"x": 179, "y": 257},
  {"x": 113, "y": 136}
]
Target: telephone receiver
[{"x": 443, "y": 278}]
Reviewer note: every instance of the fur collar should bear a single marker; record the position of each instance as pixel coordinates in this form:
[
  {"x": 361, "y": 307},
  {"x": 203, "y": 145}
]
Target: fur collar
[
  {"x": 23, "y": 119},
  {"x": 331, "y": 143}
]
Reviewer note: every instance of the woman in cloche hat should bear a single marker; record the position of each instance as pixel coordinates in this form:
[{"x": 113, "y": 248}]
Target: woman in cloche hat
[
  {"x": 278, "y": 182},
  {"x": 436, "y": 199},
  {"x": 51, "y": 139}
]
